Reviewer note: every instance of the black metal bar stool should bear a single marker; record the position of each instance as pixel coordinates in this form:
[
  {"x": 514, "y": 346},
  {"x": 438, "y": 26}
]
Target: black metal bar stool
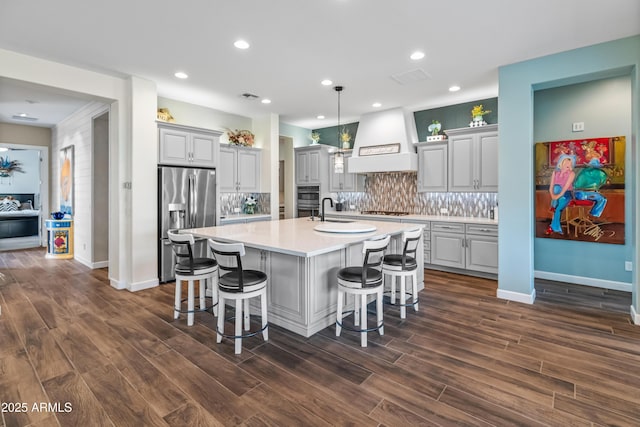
[
  {"x": 190, "y": 269},
  {"x": 401, "y": 266},
  {"x": 239, "y": 285},
  {"x": 362, "y": 281}
]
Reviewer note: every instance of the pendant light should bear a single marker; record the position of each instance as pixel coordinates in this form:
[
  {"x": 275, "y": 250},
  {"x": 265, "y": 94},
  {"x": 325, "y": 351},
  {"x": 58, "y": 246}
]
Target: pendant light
[{"x": 338, "y": 160}]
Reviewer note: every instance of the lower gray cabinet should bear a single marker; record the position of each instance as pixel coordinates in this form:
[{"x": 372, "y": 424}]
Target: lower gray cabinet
[{"x": 465, "y": 246}]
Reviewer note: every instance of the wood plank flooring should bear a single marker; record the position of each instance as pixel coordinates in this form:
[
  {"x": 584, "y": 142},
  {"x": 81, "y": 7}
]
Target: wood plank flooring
[{"x": 95, "y": 356}]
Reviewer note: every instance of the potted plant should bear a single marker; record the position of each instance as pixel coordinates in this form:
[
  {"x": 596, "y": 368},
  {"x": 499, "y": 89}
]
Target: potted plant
[
  {"x": 250, "y": 205},
  {"x": 241, "y": 137},
  {"x": 477, "y": 113},
  {"x": 315, "y": 137},
  {"x": 345, "y": 137}
]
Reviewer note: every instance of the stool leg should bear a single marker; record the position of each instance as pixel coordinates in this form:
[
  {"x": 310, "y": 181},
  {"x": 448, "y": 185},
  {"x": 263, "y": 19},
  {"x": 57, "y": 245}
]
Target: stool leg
[
  {"x": 214, "y": 293},
  {"x": 202, "y": 282},
  {"x": 221, "y": 313},
  {"x": 238, "y": 339},
  {"x": 339, "y": 312},
  {"x": 177, "y": 305},
  {"x": 245, "y": 313},
  {"x": 403, "y": 297},
  {"x": 363, "y": 320},
  {"x": 356, "y": 310},
  {"x": 414, "y": 287},
  {"x": 263, "y": 308},
  {"x": 393, "y": 288},
  {"x": 190, "y": 303},
  {"x": 379, "y": 312}
]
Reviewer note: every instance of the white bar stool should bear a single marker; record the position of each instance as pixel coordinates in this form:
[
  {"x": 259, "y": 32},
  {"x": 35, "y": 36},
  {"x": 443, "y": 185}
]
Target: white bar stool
[
  {"x": 362, "y": 281},
  {"x": 401, "y": 266},
  {"x": 190, "y": 269},
  {"x": 239, "y": 285}
]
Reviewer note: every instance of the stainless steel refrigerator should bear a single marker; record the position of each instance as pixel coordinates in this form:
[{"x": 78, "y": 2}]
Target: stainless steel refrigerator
[{"x": 186, "y": 199}]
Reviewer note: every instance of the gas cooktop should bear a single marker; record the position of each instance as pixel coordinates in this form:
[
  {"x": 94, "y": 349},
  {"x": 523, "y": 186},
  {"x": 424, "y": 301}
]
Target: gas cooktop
[{"x": 390, "y": 213}]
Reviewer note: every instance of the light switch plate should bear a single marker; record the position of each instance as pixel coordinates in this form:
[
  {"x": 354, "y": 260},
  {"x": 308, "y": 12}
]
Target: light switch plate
[
  {"x": 628, "y": 266},
  {"x": 578, "y": 127}
]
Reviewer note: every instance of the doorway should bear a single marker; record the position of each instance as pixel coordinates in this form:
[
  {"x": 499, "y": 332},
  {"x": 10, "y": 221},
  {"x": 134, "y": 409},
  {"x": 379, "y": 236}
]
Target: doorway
[{"x": 287, "y": 180}]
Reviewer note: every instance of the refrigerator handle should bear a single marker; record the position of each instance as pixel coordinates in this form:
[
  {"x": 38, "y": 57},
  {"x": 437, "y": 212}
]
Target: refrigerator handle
[{"x": 191, "y": 201}]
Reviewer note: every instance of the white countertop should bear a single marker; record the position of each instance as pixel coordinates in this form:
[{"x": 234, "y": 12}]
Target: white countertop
[
  {"x": 238, "y": 216},
  {"x": 294, "y": 236},
  {"x": 415, "y": 217}
]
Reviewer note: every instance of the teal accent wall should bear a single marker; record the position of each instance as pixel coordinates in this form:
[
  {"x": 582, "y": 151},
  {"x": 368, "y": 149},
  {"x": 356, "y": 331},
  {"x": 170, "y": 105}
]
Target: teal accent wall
[
  {"x": 605, "y": 108},
  {"x": 453, "y": 116},
  {"x": 517, "y": 83},
  {"x": 329, "y": 135}
]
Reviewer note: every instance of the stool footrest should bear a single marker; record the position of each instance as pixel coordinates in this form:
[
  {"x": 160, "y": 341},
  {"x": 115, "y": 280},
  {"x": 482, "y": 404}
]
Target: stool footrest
[
  {"x": 195, "y": 310},
  {"x": 245, "y": 335},
  {"x": 348, "y": 328},
  {"x": 388, "y": 302}
]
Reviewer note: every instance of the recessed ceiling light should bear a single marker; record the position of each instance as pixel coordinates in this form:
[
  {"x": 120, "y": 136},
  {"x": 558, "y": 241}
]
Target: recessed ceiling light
[
  {"x": 376, "y": 105},
  {"x": 23, "y": 114},
  {"x": 241, "y": 44},
  {"x": 320, "y": 117},
  {"x": 181, "y": 75},
  {"x": 266, "y": 101},
  {"x": 417, "y": 55},
  {"x": 454, "y": 88},
  {"x": 326, "y": 82}
]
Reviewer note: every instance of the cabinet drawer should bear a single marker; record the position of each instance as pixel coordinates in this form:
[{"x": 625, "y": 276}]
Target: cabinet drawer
[
  {"x": 448, "y": 227},
  {"x": 482, "y": 230}
]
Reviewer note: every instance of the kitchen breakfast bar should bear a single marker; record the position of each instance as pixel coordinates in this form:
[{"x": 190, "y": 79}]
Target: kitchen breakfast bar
[{"x": 301, "y": 263}]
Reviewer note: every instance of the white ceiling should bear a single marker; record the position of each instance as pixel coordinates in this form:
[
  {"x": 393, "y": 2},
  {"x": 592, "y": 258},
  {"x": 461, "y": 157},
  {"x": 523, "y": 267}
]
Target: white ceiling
[{"x": 294, "y": 45}]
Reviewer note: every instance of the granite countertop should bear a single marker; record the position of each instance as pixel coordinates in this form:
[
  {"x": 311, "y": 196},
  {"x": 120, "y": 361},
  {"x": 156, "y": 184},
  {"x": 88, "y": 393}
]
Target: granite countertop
[
  {"x": 294, "y": 236},
  {"x": 416, "y": 217}
]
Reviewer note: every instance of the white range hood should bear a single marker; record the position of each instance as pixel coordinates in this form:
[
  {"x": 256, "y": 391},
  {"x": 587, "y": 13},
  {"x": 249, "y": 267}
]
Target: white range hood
[{"x": 385, "y": 143}]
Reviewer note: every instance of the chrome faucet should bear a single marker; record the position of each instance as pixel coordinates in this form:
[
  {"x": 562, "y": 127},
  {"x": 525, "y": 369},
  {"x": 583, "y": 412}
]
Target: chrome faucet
[{"x": 322, "y": 207}]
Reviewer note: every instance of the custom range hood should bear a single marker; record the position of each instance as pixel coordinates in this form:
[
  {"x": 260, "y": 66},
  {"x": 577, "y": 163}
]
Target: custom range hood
[{"x": 385, "y": 143}]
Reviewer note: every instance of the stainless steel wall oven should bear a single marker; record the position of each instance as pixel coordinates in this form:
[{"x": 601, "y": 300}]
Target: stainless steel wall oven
[{"x": 308, "y": 200}]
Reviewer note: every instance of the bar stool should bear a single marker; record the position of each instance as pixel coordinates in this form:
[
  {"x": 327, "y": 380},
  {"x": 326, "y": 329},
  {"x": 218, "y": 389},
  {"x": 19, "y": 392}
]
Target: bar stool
[
  {"x": 401, "y": 266},
  {"x": 362, "y": 281},
  {"x": 190, "y": 269},
  {"x": 239, "y": 285}
]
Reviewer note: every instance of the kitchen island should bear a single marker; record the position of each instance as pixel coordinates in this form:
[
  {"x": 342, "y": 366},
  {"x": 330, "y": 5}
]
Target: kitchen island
[{"x": 302, "y": 264}]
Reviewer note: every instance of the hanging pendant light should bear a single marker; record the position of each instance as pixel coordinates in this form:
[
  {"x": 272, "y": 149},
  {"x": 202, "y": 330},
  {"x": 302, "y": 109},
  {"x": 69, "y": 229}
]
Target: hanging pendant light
[{"x": 338, "y": 162}]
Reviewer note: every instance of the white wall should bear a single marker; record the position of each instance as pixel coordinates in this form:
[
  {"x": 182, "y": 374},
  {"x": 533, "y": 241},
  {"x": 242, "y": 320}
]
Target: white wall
[
  {"x": 204, "y": 117},
  {"x": 27, "y": 182},
  {"x": 76, "y": 130}
]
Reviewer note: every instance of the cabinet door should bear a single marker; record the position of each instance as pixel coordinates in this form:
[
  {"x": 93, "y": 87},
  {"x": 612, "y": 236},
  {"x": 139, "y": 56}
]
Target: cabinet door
[
  {"x": 228, "y": 175},
  {"x": 302, "y": 167},
  {"x": 314, "y": 167},
  {"x": 487, "y": 166},
  {"x": 432, "y": 168},
  {"x": 447, "y": 249},
  {"x": 482, "y": 253},
  {"x": 461, "y": 163},
  {"x": 174, "y": 147},
  {"x": 203, "y": 150},
  {"x": 248, "y": 170}
]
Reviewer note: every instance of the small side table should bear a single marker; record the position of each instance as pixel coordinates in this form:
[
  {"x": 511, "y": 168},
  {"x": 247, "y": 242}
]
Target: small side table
[{"x": 59, "y": 238}]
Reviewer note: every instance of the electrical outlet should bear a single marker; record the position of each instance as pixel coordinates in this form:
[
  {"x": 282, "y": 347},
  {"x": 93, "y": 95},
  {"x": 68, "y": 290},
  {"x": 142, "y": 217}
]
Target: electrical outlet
[
  {"x": 444, "y": 211},
  {"x": 236, "y": 210},
  {"x": 628, "y": 266},
  {"x": 352, "y": 207},
  {"x": 578, "y": 127}
]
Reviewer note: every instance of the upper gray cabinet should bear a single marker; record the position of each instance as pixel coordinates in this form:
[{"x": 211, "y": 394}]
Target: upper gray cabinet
[
  {"x": 473, "y": 159},
  {"x": 432, "y": 167},
  {"x": 344, "y": 181},
  {"x": 239, "y": 169},
  {"x": 312, "y": 164},
  {"x": 186, "y": 146}
]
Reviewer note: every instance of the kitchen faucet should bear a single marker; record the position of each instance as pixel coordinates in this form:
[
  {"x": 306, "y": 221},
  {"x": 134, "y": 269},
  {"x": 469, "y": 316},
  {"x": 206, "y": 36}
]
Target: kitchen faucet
[{"x": 322, "y": 207}]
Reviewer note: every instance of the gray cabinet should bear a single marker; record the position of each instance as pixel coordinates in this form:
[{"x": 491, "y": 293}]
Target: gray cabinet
[
  {"x": 465, "y": 246},
  {"x": 344, "y": 181},
  {"x": 473, "y": 159},
  {"x": 312, "y": 163},
  {"x": 185, "y": 146},
  {"x": 432, "y": 168},
  {"x": 239, "y": 169}
]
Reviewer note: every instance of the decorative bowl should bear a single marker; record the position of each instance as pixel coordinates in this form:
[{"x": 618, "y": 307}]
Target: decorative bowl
[{"x": 57, "y": 215}]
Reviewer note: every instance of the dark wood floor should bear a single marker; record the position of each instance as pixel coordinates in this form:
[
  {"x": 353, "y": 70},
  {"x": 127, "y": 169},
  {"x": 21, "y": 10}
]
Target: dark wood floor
[{"x": 97, "y": 356}]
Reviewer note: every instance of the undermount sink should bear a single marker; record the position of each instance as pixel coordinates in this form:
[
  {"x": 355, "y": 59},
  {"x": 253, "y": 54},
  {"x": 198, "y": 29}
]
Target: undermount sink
[{"x": 344, "y": 227}]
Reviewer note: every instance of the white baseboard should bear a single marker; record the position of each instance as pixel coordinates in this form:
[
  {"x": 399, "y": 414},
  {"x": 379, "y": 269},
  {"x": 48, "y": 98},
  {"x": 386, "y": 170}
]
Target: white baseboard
[
  {"x": 635, "y": 317},
  {"x": 99, "y": 264},
  {"x": 135, "y": 287},
  {"x": 517, "y": 296},
  {"x": 117, "y": 284},
  {"x": 587, "y": 281}
]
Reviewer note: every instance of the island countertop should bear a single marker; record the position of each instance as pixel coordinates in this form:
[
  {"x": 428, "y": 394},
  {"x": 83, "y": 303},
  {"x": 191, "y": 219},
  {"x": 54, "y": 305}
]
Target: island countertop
[{"x": 295, "y": 236}]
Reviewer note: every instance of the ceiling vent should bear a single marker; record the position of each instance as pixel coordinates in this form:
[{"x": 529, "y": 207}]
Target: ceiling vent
[
  {"x": 24, "y": 118},
  {"x": 411, "y": 76},
  {"x": 249, "y": 96}
]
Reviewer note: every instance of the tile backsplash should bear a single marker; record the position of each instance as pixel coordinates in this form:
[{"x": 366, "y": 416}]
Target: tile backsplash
[
  {"x": 397, "y": 191},
  {"x": 230, "y": 201}
]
